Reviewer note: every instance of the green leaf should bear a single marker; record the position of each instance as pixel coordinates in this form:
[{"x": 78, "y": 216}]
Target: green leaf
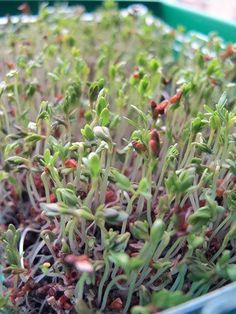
[
  {"x": 67, "y": 196},
  {"x": 164, "y": 299},
  {"x": 101, "y": 104},
  {"x": 222, "y": 101},
  {"x": 140, "y": 230},
  {"x": 121, "y": 180},
  {"x": 33, "y": 138},
  {"x": 144, "y": 188},
  {"x": 3, "y": 175},
  {"x": 231, "y": 235},
  {"x": 94, "y": 165},
  {"x": 12, "y": 73},
  {"x": 58, "y": 209},
  {"x": 17, "y": 160},
  {"x": 141, "y": 114},
  {"x": 85, "y": 214},
  {"x": 87, "y": 132},
  {"x": 201, "y": 216},
  {"x": 113, "y": 215},
  {"x": 157, "y": 230},
  {"x": 154, "y": 65},
  {"x": 143, "y": 85},
  {"x": 135, "y": 262},
  {"x": 47, "y": 156},
  {"x": 115, "y": 121},
  {"x": 197, "y": 124},
  {"x": 138, "y": 309},
  {"x": 144, "y": 296},
  {"x": 120, "y": 259},
  {"x": 215, "y": 121},
  {"x": 54, "y": 76},
  {"x": 195, "y": 241},
  {"x": 3, "y": 303},
  {"x": 95, "y": 88},
  {"x": 3, "y": 86},
  {"x": 203, "y": 148},
  {"x": 104, "y": 117},
  {"x": 231, "y": 271}
]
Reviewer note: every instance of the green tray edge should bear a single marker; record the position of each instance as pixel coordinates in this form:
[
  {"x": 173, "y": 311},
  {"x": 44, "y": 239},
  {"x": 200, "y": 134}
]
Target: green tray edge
[{"x": 173, "y": 14}]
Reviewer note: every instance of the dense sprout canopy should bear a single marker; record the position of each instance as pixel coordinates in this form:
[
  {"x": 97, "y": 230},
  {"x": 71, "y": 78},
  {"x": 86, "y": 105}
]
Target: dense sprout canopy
[{"x": 117, "y": 163}]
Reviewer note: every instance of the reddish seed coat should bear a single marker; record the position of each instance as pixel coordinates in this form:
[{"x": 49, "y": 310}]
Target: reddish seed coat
[
  {"x": 117, "y": 304},
  {"x": 59, "y": 38},
  {"x": 110, "y": 196},
  {"x": 67, "y": 306},
  {"x": 81, "y": 113},
  {"x": 153, "y": 104},
  {"x": 160, "y": 108},
  {"x": 24, "y": 8},
  {"x": 18, "y": 150},
  {"x": 71, "y": 259},
  {"x": 71, "y": 163},
  {"x": 57, "y": 132},
  {"x": 154, "y": 147},
  {"x": 213, "y": 81},
  {"x": 138, "y": 146},
  {"x": 153, "y": 107},
  {"x": 229, "y": 51},
  {"x": 207, "y": 58},
  {"x": 13, "y": 193},
  {"x": 81, "y": 262},
  {"x": 220, "y": 192},
  {"x": 38, "y": 182},
  {"x": 136, "y": 75},
  {"x": 59, "y": 97},
  {"x": 12, "y": 112},
  {"x": 182, "y": 214},
  {"x": 63, "y": 299},
  {"x": 154, "y": 142},
  {"x": 154, "y": 135},
  {"x": 46, "y": 170},
  {"x": 10, "y": 65},
  {"x": 53, "y": 198},
  {"x": 176, "y": 98},
  {"x": 220, "y": 189}
]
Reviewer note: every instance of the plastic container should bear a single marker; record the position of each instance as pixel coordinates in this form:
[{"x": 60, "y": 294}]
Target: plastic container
[
  {"x": 223, "y": 300},
  {"x": 220, "y": 301},
  {"x": 172, "y": 14}
]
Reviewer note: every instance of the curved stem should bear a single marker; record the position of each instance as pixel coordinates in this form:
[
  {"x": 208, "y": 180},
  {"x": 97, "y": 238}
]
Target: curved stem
[{"x": 120, "y": 277}]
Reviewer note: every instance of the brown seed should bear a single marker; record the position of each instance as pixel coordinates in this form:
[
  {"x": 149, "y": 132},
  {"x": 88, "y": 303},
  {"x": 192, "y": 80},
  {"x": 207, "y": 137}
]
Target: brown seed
[
  {"x": 136, "y": 75},
  {"x": 67, "y": 306},
  {"x": 71, "y": 163},
  {"x": 138, "y": 146},
  {"x": 117, "y": 304},
  {"x": 81, "y": 262},
  {"x": 176, "y": 98},
  {"x": 154, "y": 143},
  {"x": 110, "y": 196}
]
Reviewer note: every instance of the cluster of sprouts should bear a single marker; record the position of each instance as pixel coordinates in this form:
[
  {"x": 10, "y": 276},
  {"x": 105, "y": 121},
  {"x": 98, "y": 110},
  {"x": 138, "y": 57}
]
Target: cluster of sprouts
[{"x": 117, "y": 163}]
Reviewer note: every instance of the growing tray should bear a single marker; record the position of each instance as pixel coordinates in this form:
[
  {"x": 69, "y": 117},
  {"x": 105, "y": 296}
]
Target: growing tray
[
  {"x": 172, "y": 14},
  {"x": 223, "y": 300}
]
